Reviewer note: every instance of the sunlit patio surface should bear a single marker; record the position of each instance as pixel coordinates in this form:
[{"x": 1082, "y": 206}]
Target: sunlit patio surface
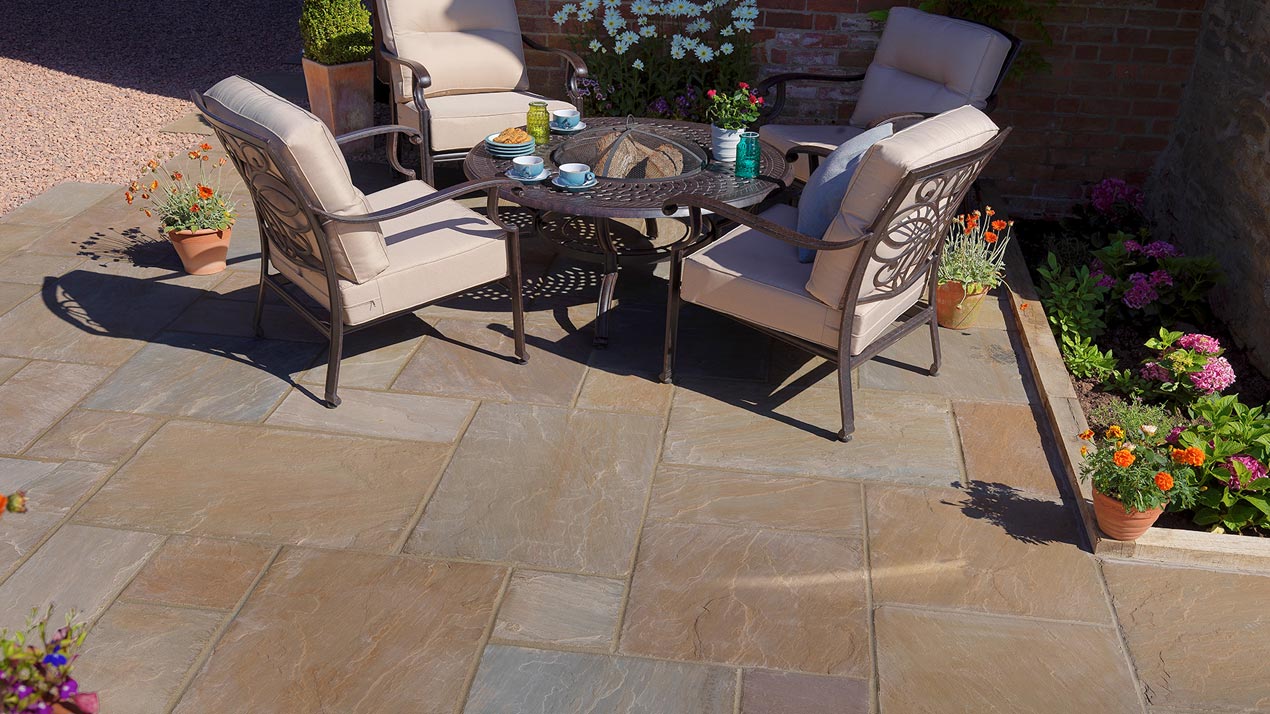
[{"x": 465, "y": 534}]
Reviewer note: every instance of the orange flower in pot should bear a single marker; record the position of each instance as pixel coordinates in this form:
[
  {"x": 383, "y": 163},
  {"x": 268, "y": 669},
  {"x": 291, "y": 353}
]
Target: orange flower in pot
[
  {"x": 972, "y": 263},
  {"x": 196, "y": 216},
  {"x": 1134, "y": 480}
]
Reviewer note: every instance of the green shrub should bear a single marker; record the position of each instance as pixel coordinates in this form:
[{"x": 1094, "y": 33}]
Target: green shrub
[
  {"x": 1073, "y": 300},
  {"x": 336, "y": 31},
  {"x": 1084, "y": 359},
  {"x": 1227, "y": 447},
  {"x": 1133, "y": 415}
]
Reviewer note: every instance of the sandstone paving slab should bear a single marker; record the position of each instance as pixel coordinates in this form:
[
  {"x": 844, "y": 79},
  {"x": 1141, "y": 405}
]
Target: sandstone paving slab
[
  {"x": 1003, "y": 553},
  {"x": 762, "y": 598},
  {"x": 382, "y": 414},
  {"x": 899, "y": 436},
  {"x": 234, "y": 317},
  {"x": 59, "y": 490},
  {"x": 16, "y": 236},
  {"x": 61, "y": 202},
  {"x": 199, "y": 572},
  {"x": 98, "y": 315},
  {"x": 10, "y": 365},
  {"x": 697, "y": 495},
  {"x": 982, "y": 365},
  {"x": 559, "y": 608},
  {"x": 107, "y": 230},
  {"x": 526, "y": 681},
  {"x": 469, "y": 359},
  {"x": 79, "y": 568},
  {"x": 273, "y": 486},
  {"x": 1005, "y": 444},
  {"x": 35, "y": 269},
  {"x": 544, "y": 486},
  {"x": 375, "y": 356},
  {"x": 36, "y": 396},
  {"x": 105, "y": 437},
  {"x": 52, "y": 489},
  {"x": 350, "y": 632},
  {"x": 12, "y": 294},
  {"x": 633, "y": 393},
  {"x": 205, "y": 376},
  {"x": 1196, "y": 637},
  {"x": 137, "y": 655},
  {"x": 17, "y": 473},
  {"x": 768, "y": 692},
  {"x": 936, "y": 662},
  {"x": 20, "y": 536}
]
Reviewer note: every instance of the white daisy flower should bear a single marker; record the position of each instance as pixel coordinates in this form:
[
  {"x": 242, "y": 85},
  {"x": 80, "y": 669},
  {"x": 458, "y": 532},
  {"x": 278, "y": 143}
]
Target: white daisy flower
[
  {"x": 704, "y": 53},
  {"x": 638, "y": 64},
  {"x": 590, "y": 4},
  {"x": 561, "y": 17},
  {"x": 726, "y": 48},
  {"x": 648, "y": 30},
  {"x": 678, "y": 52},
  {"x": 584, "y": 15},
  {"x": 595, "y": 45}
]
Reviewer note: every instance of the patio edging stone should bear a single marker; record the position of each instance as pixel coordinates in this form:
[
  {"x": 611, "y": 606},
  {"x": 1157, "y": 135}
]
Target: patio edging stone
[{"x": 1067, "y": 418}]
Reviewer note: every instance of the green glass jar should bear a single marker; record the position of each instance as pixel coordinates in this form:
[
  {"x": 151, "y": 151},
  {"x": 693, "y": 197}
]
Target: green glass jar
[{"x": 538, "y": 122}]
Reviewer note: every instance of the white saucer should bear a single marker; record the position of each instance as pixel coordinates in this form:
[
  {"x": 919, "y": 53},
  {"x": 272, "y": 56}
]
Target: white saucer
[
  {"x": 560, "y": 130},
  {"x": 560, "y": 184},
  {"x": 542, "y": 176}
]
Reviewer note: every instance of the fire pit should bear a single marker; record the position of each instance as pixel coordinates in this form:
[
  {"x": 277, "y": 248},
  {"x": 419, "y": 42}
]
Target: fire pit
[{"x": 634, "y": 152}]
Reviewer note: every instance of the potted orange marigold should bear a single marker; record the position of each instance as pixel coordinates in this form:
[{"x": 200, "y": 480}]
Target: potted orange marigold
[
  {"x": 1135, "y": 476},
  {"x": 194, "y": 213}
]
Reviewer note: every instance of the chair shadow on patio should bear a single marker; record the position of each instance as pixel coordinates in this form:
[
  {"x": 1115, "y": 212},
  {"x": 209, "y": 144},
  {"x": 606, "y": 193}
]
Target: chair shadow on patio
[{"x": 1035, "y": 521}]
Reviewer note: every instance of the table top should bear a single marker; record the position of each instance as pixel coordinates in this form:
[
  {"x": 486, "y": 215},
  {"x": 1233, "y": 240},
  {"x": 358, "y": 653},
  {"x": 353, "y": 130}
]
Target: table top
[{"x": 628, "y": 198}]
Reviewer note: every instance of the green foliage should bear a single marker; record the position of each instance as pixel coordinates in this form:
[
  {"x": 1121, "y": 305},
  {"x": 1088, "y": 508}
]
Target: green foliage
[
  {"x": 336, "y": 31},
  {"x": 1132, "y": 415},
  {"x": 1085, "y": 360},
  {"x": 188, "y": 200},
  {"x": 735, "y": 110},
  {"x": 1235, "y": 440},
  {"x": 1154, "y": 279},
  {"x": 1073, "y": 300},
  {"x": 1135, "y": 469},
  {"x": 34, "y": 659},
  {"x": 1029, "y": 14}
]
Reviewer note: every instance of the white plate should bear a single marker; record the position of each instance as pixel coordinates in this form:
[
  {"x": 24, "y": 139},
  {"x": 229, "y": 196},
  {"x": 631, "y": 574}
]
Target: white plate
[
  {"x": 544, "y": 175},
  {"x": 560, "y": 184},
  {"x": 560, "y": 130},
  {"x": 489, "y": 140}
]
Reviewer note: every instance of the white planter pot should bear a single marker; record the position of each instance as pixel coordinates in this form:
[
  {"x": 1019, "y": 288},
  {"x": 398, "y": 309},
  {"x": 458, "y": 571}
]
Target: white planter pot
[{"x": 723, "y": 143}]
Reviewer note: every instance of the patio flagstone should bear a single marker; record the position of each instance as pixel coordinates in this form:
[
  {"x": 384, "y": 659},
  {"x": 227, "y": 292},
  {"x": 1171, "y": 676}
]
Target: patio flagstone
[
  {"x": 52, "y": 489},
  {"x": 382, "y": 414},
  {"x": 768, "y": 692},
  {"x": 1004, "y": 442},
  {"x": 12, "y": 294},
  {"x": 978, "y": 364},
  {"x": 61, "y": 202},
  {"x": 34, "y": 269},
  {"x": 36, "y": 396},
  {"x": 559, "y": 608},
  {"x": 271, "y": 485},
  {"x": 199, "y": 572},
  {"x": 16, "y": 236},
  {"x": 375, "y": 356},
  {"x": 346, "y": 632},
  {"x": 85, "y": 435}
]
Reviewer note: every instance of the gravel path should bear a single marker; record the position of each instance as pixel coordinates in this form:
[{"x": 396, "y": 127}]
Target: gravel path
[{"x": 85, "y": 85}]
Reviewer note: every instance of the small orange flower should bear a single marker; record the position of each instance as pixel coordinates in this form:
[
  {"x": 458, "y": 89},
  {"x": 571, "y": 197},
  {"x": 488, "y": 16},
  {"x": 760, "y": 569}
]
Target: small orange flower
[
  {"x": 1086, "y": 435},
  {"x": 1190, "y": 456},
  {"x": 176, "y": 176},
  {"x": 145, "y": 196},
  {"x": 990, "y": 237},
  {"x": 207, "y": 158},
  {"x": 148, "y": 213},
  {"x": 1084, "y": 450},
  {"x": 1164, "y": 480},
  {"x": 127, "y": 196},
  {"x": 998, "y": 225},
  {"x": 205, "y": 191},
  {"x": 1123, "y": 458},
  {"x": 194, "y": 207},
  {"x": 1114, "y": 432},
  {"x": 1023, "y": 306},
  {"x": 990, "y": 212},
  {"x": 205, "y": 146},
  {"x": 133, "y": 186},
  {"x": 154, "y": 184},
  {"x": 221, "y": 162},
  {"x": 193, "y": 154},
  {"x": 4, "y": 501},
  {"x": 152, "y": 164}
]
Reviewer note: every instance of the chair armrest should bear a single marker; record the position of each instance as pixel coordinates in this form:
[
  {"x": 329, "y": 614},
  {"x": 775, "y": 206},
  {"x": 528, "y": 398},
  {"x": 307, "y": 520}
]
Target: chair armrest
[
  {"x": 577, "y": 66},
  {"x": 913, "y": 117},
  {"x": 489, "y": 186},
  {"x": 697, "y": 203},
  {"x": 419, "y": 77},
  {"x": 779, "y": 81},
  {"x": 813, "y": 153},
  {"x": 415, "y": 136}
]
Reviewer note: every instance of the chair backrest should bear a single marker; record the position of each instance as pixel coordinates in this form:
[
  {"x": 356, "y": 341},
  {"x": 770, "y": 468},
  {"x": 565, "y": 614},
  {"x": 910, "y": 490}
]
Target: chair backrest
[
  {"x": 905, "y": 192},
  {"x": 932, "y": 63},
  {"x": 291, "y": 165},
  {"x": 467, "y": 46}
]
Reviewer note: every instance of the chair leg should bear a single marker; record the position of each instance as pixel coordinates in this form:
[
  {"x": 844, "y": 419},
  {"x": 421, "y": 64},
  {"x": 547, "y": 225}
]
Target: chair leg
[
  {"x": 844, "y": 396},
  {"x": 672, "y": 323},
  {"x": 934, "y": 345},
  {"x": 334, "y": 353},
  {"x": 516, "y": 288},
  {"x": 257, "y": 320}
]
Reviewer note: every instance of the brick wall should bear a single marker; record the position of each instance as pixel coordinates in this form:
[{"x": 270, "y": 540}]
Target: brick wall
[
  {"x": 1106, "y": 108},
  {"x": 1212, "y": 188}
]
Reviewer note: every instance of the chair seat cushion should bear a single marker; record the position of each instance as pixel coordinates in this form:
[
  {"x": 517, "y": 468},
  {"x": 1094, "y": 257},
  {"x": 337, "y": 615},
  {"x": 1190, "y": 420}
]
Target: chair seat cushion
[
  {"x": 786, "y": 136},
  {"x": 751, "y": 276},
  {"x": 432, "y": 253},
  {"x": 822, "y": 197},
  {"x": 461, "y": 121}
]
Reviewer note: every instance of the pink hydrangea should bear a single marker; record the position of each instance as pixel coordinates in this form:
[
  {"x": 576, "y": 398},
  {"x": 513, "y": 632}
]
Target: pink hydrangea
[
  {"x": 1111, "y": 191},
  {"x": 1202, "y": 344},
  {"x": 1155, "y": 372},
  {"x": 1132, "y": 246},
  {"x": 1174, "y": 433},
  {"x": 1256, "y": 470},
  {"x": 1214, "y": 377},
  {"x": 1160, "y": 278},
  {"x": 1106, "y": 281},
  {"x": 1161, "y": 249}
]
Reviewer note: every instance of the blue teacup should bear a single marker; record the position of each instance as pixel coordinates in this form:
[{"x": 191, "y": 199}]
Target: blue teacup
[
  {"x": 527, "y": 167},
  {"x": 576, "y": 174},
  {"x": 566, "y": 118}
]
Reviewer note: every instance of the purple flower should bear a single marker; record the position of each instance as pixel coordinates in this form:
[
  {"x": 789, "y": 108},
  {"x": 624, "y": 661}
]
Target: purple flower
[
  {"x": 23, "y": 691},
  {"x": 1256, "y": 470},
  {"x": 1132, "y": 246},
  {"x": 1141, "y": 294},
  {"x": 1202, "y": 344},
  {"x": 55, "y": 658},
  {"x": 1161, "y": 249},
  {"x": 1214, "y": 377},
  {"x": 1112, "y": 191},
  {"x": 660, "y": 107},
  {"x": 68, "y": 689},
  {"x": 1174, "y": 433},
  {"x": 1106, "y": 281},
  {"x": 1160, "y": 278},
  {"x": 40, "y": 708},
  {"x": 1155, "y": 372}
]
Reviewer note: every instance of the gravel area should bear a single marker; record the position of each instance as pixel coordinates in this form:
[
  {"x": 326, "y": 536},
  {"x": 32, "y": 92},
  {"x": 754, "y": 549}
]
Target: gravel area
[{"x": 85, "y": 86}]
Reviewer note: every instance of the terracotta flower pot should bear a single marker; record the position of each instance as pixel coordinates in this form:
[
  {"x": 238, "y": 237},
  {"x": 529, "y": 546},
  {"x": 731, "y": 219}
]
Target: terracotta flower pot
[
  {"x": 343, "y": 97},
  {"x": 955, "y": 308},
  {"x": 202, "y": 252},
  {"x": 1118, "y": 525}
]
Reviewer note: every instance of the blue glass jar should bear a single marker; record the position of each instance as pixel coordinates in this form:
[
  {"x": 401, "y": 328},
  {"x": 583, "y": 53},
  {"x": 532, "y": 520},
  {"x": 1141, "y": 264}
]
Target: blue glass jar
[{"x": 747, "y": 155}]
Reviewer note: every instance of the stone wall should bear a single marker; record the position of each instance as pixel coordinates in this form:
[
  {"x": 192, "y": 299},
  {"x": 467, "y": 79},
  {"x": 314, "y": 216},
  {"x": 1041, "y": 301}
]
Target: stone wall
[
  {"x": 1211, "y": 191},
  {"x": 1106, "y": 108}
]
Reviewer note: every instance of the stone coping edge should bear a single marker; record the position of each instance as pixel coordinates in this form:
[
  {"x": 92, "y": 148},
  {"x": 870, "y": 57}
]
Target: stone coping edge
[{"x": 1067, "y": 419}]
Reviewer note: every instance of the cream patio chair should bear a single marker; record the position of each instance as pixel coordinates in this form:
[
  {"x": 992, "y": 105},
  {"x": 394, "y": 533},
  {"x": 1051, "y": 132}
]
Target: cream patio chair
[
  {"x": 459, "y": 72},
  {"x": 879, "y": 258},
  {"x": 925, "y": 64},
  {"x": 363, "y": 258}
]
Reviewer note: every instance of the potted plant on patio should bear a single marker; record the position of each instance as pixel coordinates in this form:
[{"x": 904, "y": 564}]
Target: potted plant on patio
[
  {"x": 13, "y": 503},
  {"x": 731, "y": 114},
  {"x": 338, "y": 71},
  {"x": 196, "y": 215},
  {"x": 35, "y": 669},
  {"x": 1135, "y": 477},
  {"x": 973, "y": 262}
]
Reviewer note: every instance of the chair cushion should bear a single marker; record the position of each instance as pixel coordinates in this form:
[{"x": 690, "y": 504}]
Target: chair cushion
[
  {"x": 306, "y": 146},
  {"x": 786, "y": 136},
  {"x": 823, "y": 194},
  {"x": 463, "y": 121},
  {"x": 880, "y": 172},
  {"x": 930, "y": 63},
  {"x": 467, "y": 46}
]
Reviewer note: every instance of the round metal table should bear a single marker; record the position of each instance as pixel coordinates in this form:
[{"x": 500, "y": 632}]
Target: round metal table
[{"x": 579, "y": 223}]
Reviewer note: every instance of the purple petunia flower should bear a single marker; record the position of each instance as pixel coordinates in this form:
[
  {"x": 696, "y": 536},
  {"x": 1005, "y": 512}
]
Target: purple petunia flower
[
  {"x": 1161, "y": 249},
  {"x": 68, "y": 689},
  {"x": 1155, "y": 372},
  {"x": 1202, "y": 344},
  {"x": 1256, "y": 470},
  {"x": 1214, "y": 377}
]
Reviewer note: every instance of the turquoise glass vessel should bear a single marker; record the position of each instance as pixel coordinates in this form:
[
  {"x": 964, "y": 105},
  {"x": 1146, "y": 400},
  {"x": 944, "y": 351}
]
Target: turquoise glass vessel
[{"x": 747, "y": 155}]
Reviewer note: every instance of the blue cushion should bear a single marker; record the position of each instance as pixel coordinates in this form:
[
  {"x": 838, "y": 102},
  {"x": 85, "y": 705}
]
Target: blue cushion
[{"x": 822, "y": 197}]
